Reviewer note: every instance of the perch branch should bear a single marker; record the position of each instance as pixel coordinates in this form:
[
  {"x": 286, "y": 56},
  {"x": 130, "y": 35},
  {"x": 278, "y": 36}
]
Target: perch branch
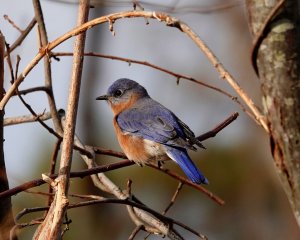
[
  {"x": 104, "y": 168},
  {"x": 78, "y": 174}
]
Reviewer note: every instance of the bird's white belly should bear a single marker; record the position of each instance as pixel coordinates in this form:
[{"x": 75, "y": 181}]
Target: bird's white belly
[{"x": 155, "y": 150}]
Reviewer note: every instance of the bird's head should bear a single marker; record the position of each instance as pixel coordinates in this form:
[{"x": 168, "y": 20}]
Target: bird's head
[{"x": 123, "y": 93}]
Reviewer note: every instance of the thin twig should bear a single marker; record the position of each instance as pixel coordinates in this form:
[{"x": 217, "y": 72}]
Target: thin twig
[
  {"x": 135, "y": 232},
  {"x": 212, "y": 196},
  {"x": 52, "y": 167},
  {"x": 168, "y": 172},
  {"x": 23, "y": 225},
  {"x": 9, "y": 63},
  {"x": 30, "y": 109},
  {"x": 47, "y": 64},
  {"x": 181, "y": 9},
  {"x": 6, "y": 17},
  {"x": 21, "y": 38},
  {"x": 176, "y": 75},
  {"x": 173, "y": 199},
  {"x": 34, "y": 89},
  {"x": 218, "y": 128},
  {"x": 26, "y": 119}
]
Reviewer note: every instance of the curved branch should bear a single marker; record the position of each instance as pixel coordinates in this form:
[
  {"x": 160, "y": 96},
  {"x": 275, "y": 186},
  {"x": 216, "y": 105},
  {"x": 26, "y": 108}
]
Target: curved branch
[
  {"x": 176, "y": 75},
  {"x": 161, "y": 17}
]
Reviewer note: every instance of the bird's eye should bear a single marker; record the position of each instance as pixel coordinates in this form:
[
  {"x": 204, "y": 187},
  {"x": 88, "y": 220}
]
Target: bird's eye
[{"x": 118, "y": 93}]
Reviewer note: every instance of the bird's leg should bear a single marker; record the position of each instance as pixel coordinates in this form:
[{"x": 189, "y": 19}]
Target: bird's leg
[
  {"x": 140, "y": 164},
  {"x": 160, "y": 164}
]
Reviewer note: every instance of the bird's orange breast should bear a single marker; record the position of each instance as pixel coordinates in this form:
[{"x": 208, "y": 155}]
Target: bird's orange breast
[{"x": 133, "y": 146}]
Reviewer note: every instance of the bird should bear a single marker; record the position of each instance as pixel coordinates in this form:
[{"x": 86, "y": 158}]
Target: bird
[{"x": 149, "y": 132}]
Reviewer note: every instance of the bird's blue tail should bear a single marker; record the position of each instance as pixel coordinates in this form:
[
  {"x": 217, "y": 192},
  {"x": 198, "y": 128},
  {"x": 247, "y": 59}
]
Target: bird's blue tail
[{"x": 181, "y": 157}]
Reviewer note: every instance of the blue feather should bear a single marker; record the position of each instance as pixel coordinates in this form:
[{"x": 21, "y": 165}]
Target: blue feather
[{"x": 181, "y": 157}]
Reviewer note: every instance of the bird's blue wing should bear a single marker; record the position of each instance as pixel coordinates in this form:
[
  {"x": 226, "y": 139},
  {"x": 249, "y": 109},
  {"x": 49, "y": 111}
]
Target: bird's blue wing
[
  {"x": 181, "y": 157},
  {"x": 154, "y": 122}
]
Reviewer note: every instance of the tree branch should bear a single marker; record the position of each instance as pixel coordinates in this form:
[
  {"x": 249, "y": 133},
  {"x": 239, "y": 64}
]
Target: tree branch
[
  {"x": 162, "y": 17},
  {"x": 21, "y": 38},
  {"x": 47, "y": 64},
  {"x": 51, "y": 227},
  {"x": 6, "y": 218},
  {"x": 178, "y": 76},
  {"x": 26, "y": 119}
]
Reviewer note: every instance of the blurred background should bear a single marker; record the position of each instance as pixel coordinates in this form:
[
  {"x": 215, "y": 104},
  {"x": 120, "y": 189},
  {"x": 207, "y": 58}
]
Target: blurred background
[{"x": 237, "y": 162}]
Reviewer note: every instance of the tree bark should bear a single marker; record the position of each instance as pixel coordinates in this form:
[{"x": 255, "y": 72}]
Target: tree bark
[
  {"x": 275, "y": 25},
  {"x": 6, "y": 217}
]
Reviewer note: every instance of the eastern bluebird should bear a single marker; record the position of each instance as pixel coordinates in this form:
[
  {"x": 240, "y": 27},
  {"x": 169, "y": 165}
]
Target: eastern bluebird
[{"x": 148, "y": 131}]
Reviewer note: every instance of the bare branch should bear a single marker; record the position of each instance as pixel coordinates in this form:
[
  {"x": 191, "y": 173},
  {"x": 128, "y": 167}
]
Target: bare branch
[
  {"x": 171, "y": 8},
  {"x": 24, "y": 34},
  {"x": 79, "y": 174},
  {"x": 47, "y": 64},
  {"x": 178, "y": 76},
  {"x": 34, "y": 89},
  {"x": 51, "y": 227},
  {"x": 52, "y": 167},
  {"x": 6, "y": 17},
  {"x": 6, "y": 218},
  {"x": 135, "y": 232},
  {"x": 179, "y": 187},
  {"x": 170, "y": 21},
  {"x": 109, "y": 167},
  {"x": 26, "y": 119},
  {"x": 105, "y": 184},
  {"x": 187, "y": 182},
  {"x": 127, "y": 202},
  {"x": 218, "y": 128}
]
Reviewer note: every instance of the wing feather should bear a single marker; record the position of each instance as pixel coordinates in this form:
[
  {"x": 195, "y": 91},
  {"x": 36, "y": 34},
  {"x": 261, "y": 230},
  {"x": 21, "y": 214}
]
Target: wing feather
[{"x": 155, "y": 122}]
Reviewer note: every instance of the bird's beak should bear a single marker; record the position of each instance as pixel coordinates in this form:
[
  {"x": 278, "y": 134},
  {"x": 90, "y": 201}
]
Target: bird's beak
[{"x": 103, "y": 97}]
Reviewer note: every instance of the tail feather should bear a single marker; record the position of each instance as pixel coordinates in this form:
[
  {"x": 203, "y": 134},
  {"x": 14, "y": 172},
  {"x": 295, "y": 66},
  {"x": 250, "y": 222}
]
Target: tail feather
[{"x": 181, "y": 157}]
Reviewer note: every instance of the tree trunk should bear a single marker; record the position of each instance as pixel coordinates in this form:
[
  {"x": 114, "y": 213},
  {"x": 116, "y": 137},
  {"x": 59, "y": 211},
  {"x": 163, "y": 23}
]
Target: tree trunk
[
  {"x": 6, "y": 217},
  {"x": 275, "y": 25}
]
